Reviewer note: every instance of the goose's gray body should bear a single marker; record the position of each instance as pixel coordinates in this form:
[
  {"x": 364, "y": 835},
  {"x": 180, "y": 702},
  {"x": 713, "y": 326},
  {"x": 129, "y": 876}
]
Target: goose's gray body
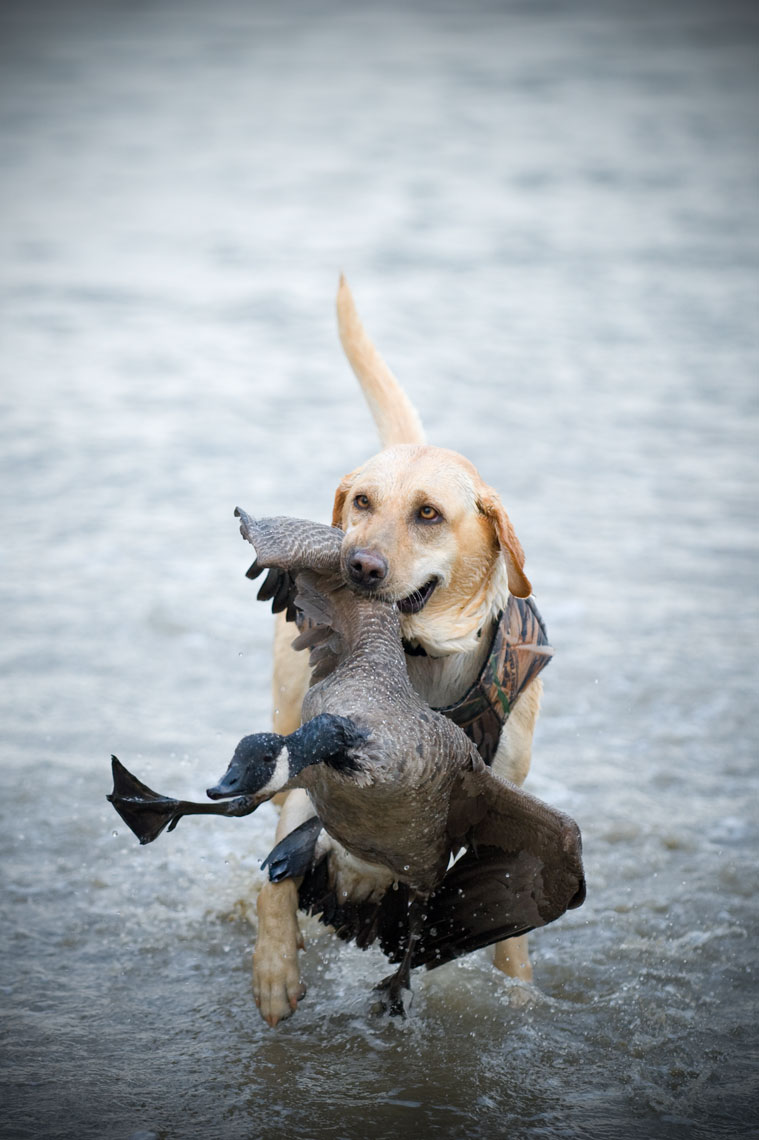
[
  {"x": 396, "y": 813},
  {"x": 422, "y": 791}
]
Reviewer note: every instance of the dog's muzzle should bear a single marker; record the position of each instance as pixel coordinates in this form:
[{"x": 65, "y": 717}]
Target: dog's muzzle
[
  {"x": 417, "y": 600},
  {"x": 366, "y": 569}
]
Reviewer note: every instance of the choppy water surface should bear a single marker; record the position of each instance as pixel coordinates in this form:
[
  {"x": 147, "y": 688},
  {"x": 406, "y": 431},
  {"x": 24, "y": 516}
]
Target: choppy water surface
[{"x": 548, "y": 216}]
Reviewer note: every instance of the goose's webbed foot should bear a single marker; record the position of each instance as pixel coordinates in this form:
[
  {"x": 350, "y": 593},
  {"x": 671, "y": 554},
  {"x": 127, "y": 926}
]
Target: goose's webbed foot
[
  {"x": 395, "y": 995},
  {"x": 395, "y": 991},
  {"x": 147, "y": 813}
]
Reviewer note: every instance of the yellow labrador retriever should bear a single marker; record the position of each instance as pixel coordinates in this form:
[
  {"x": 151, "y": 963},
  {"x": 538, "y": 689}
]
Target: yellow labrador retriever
[{"x": 422, "y": 529}]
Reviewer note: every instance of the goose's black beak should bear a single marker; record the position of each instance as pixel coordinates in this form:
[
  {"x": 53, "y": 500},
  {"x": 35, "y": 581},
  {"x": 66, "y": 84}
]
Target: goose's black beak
[
  {"x": 230, "y": 786},
  {"x": 237, "y": 780},
  {"x": 253, "y": 771},
  {"x": 224, "y": 789}
]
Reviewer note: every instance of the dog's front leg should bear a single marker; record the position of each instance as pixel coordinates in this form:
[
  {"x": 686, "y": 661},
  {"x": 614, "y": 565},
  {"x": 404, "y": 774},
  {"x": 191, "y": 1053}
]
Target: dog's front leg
[{"x": 277, "y": 987}]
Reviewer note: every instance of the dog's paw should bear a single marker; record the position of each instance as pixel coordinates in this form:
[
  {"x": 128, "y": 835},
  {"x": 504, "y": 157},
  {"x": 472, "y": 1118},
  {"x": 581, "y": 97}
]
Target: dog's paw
[{"x": 277, "y": 987}]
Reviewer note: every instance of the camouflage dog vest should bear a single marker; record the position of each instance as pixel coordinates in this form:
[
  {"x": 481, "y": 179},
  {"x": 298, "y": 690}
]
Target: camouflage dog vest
[{"x": 519, "y": 651}]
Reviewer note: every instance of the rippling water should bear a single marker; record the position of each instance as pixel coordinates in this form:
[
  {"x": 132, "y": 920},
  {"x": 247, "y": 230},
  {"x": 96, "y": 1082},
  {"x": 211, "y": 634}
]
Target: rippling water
[{"x": 548, "y": 215}]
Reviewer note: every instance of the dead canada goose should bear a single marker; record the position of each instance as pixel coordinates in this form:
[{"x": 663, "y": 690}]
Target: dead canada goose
[
  {"x": 398, "y": 785},
  {"x": 408, "y": 792}
]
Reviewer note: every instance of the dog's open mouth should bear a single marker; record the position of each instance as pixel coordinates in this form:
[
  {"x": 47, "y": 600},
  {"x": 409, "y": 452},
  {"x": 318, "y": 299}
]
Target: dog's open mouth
[{"x": 417, "y": 600}]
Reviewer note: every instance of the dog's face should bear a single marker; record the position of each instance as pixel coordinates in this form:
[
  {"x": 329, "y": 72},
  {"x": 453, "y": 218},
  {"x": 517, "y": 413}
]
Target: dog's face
[{"x": 424, "y": 531}]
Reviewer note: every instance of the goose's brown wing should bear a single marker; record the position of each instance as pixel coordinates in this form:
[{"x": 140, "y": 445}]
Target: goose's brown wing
[
  {"x": 383, "y": 920},
  {"x": 278, "y": 587},
  {"x": 292, "y": 544},
  {"x": 522, "y": 869},
  {"x": 302, "y": 564},
  {"x": 283, "y": 547}
]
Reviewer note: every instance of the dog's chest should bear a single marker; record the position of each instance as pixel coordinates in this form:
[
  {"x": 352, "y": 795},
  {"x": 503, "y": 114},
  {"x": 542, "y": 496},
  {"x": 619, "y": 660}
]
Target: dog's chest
[{"x": 442, "y": 680}]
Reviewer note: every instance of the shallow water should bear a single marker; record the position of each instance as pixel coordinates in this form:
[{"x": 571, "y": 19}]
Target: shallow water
[{"x": 548, "y": 216}]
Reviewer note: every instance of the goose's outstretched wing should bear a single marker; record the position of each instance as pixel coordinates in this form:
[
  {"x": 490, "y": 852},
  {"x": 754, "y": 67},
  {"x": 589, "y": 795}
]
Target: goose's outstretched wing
[
  {"x": 292, "y": 544},
  {"x": 522, "y": 869},
  {"x": 283, "y": 547},
  {"x": 486, "y": 897},
  {"x": 302, "y": 560}
]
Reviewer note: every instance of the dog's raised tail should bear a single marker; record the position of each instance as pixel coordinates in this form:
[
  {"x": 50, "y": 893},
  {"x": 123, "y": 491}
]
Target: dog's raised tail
[{"x": 395, "y": 416}]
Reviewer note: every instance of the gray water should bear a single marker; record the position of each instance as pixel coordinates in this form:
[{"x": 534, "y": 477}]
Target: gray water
[{"x": 548, "y": 214}]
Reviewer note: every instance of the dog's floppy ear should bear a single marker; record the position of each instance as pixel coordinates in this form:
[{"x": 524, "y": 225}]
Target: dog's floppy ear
[
  {"x": 341, "y": 494},
  {"x": 511, "y": 548}
]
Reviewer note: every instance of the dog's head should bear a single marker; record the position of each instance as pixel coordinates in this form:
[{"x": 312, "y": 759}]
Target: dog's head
[{"x": 423, "y": 530}]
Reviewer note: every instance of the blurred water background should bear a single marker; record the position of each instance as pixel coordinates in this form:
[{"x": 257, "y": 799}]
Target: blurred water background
[{"x": 548, "y": 215}]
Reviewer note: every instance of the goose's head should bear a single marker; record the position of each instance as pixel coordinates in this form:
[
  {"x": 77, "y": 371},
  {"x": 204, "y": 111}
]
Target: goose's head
[
  {"x": 260, "y": 767},
  {"x": 265, "y": 763}
]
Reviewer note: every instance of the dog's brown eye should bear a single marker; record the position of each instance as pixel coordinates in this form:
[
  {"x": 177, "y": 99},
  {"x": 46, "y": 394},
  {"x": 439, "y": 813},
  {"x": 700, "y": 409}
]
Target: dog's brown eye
[
  {"x": 362, "y": 502},
  {"x": 428, "y": 513}
]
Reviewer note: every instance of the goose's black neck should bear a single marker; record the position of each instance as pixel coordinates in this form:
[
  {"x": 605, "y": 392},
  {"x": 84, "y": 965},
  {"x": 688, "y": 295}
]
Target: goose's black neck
[{"x": 327, "y": 739}]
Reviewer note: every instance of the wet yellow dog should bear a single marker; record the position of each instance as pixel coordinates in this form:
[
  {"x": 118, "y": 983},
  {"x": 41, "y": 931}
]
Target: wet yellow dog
[{"x": 423, "y": 530}]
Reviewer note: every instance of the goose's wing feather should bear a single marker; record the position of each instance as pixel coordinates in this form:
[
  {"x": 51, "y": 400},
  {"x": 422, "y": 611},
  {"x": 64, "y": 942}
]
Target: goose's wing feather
[
  {"x": 278, "y": 587},
  {"x": 302, "y": 560},
  {"x": 294, "y": 854},
  {"x": 383, "y": 920},
  {"x": 485, "y": 897},
  {"x": 360, "y": 922},
  {"x": 522, "y": 869},
  {"x": 317, "y": 601},
  {"x": 283, "y": 547},
  {"x": 487, "y": 810}
]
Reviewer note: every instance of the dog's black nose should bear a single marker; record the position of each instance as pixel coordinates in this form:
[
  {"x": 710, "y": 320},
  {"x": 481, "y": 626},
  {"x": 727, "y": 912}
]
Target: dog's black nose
[{"x": 367, "y": 568}]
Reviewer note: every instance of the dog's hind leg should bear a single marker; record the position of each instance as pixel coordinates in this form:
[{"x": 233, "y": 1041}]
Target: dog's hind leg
[
  {"x": 513, "y": 958},
  {"x": 512, "y": 761}
]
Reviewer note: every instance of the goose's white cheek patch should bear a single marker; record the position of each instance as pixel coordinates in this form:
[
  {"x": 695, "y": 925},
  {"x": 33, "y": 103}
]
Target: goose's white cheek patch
[{"x": 279, "y": 776}]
